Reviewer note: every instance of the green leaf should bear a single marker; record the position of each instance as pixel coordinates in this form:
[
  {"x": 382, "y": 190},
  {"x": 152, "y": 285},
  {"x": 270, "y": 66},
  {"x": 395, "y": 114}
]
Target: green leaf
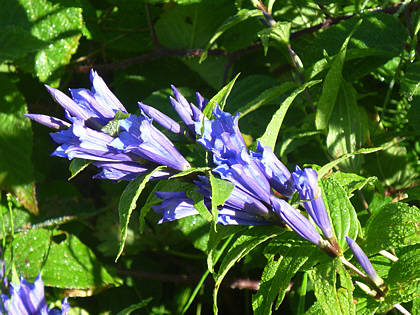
[
  {"x": 239, "y": 249},
  {"x": 16, "y": 42},
  {"x": 242, "y": 15},
  {"x": 189, "y": 26},
  {"x": 331, "y": 85},
  {"x": 59, "y": 27},
  {"x": 352, "y": 182},
  {"x": 278, "y": 272},
  {"x": 279, "y": 33},
  {"x": 333, "y": 298},
  {"x": 269, "y": 137},
  {"x": 329, "y": 166},
  {"x": 190, "y": 171},
  {"x": 76, "y": 166},
  {"x": 16, "y": 171},
  {"x": 403, "y": 278},
  {"x": 199, "y": 204},
  {"x": 113, "y": 127},
  {"x": 266, "y": 97},
  {"x": 215, "y": 237},
  {"x": 341, "y": 211},
  {"x": 64, "y": 260},
  {"x": 135, "y": 307},
  {"x": 220, "y": 193},
  {"x": 394, "y": 225},
  {"x": 220, "y": 98},
  {"x": 345, "y": 133},
  {"x": 128, "y": 203}
]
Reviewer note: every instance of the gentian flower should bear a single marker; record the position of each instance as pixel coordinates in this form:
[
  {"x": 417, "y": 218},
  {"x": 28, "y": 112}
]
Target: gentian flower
[
  {"x": 306, "y": 183},
  {"x": 141, "y": 138},
  {"x": 277, "y": 174},
  {"x": 190, "y": 114},
  {"x": 297, "y": 221},
  {"x": 25, "y": 298},
  {"x": 365, "y": 262},
  {"x": 97, "y": 120},
  {"x": 29, "y": 298},
  {"x": 162, "y": 119}
]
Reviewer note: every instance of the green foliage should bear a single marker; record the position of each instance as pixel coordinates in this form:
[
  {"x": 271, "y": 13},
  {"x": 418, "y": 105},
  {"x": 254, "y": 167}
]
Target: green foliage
[{"x": 358, "y": 128}]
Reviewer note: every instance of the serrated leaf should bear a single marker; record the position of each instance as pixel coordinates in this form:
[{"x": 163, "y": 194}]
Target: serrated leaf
[
  {"x": 404, "y": 276},
  {"x": 333, "y": 298},
  {"x": 241, "y": 247},
  {"x": 393, "y": 225},
  {"x": 128, "y": 203},
  {"x": 220, "y": 193},
  {"x": 220, "y": 98},
  {"x": 16, "y": 171},
  {"x": 345, "y": 133},
  {"x": 331, "y": 86},
  {"x": 351, "y": 182},
  {"x": 277, "y": 275},
  {"x": 76, "y": 166},
  {"x": 242, "y": 15},
  {"x": 343, "y": 216},
  {"x": 64, "y": 260},
  {"x": 269, "y": 137}
]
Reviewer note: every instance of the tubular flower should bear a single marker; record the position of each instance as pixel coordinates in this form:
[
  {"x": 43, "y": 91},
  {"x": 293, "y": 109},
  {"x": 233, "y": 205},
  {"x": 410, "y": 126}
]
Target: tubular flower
[
  {"x": 29, "y": 298},
  {"x": 297, "y": 221},
  {"x": 190, "y": 114},
  {"x": 141, "y": 138},
  {"x": 306, "y": 183},
  {"x": 277, "y": 174},
  {"x": 364, "y": 262},
  {"x": 99, "y": 131}
]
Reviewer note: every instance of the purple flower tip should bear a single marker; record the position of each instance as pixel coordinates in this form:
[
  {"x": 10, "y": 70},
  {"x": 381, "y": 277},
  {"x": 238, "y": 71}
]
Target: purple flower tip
[{"x": 364, "y": 261}]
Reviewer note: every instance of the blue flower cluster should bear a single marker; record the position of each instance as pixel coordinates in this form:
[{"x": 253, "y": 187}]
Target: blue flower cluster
[
  {"x": 25, "y": 298},
  {"x": 123, "y": 145}
]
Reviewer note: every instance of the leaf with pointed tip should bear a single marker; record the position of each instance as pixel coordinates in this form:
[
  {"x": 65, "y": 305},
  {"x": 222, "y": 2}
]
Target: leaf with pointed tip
[
  {"x": 128, "y": 203},
  {"x": 269, "y": 137}
]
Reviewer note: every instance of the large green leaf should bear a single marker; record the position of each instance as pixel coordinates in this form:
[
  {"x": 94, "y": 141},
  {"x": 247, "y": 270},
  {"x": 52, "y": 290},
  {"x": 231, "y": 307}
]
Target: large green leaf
[
  {"x": 269, "y": 137},
  {"x": 241, "y": 16},
  {"x": 58, "y": 27},
  {"x": 341, "y": 211},
  {"x": 283, "y": 263},
  {"x": 64, "y": 260},
  {"x": 189, "y": 26},
  {"x": 403, "y": 278},
  {"x": 394, "y": 225},
  {"x": 352, "y": 182},
  {"x": 128, "y": 202},
  {"x": 16, "y": 171},
  {"x": 333, "y": 298},
  {"x": 241, "y": 247},
  {"x": 345, "y": 133},
  {"x": 331, "y": 86},
  {"x": 16, "y": 42}
]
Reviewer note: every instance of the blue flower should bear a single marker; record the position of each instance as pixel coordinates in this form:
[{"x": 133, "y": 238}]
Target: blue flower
[
  {"x": 141, "y": 138},
  {"x": 29, "y": 298},
  {"x": 99, "y": 132},
  {"x": 364, "y": 262},
  {"x": 188, "y": 112},
  {"x": 306, "y": 183},
  {"x": 162, "y": 119},
  {"x": 277, "y": 174},
  {"x": 297, "y": 221}
]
